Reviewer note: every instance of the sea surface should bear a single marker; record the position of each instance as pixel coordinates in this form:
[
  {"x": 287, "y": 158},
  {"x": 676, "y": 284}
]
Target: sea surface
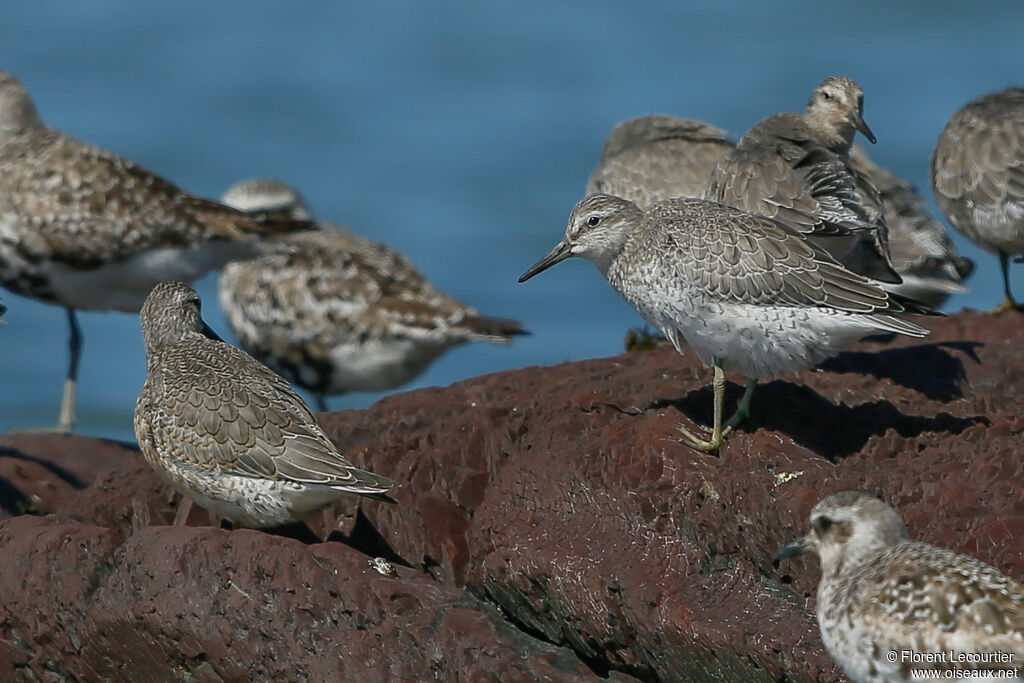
[{"x": 460, "y": 133}]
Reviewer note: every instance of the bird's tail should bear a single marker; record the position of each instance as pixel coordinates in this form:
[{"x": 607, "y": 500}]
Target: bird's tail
[
  {"x": 232, "y": 224},
  {"x": 370, "y": 485},
  {"x": 496, "y": 330}
]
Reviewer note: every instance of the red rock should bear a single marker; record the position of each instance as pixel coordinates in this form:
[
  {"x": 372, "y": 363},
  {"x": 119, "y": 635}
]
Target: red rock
[{"x": 563, "y": 496}]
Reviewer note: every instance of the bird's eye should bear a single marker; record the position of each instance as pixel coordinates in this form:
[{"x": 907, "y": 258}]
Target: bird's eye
[
  {"x": 826, "y": 94},
  {"x": 195, "y": 300},
  {"x": 594, "y": 221},
  {"x": 823, "y": 524}
]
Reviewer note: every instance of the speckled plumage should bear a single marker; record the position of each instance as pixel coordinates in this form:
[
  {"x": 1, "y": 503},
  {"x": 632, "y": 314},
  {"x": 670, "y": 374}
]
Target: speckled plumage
[
  {"x": 228, "y": 432},
  {"x": 881, "y": 592},
  {"x": 746, "y": 294},
  {"x": 920, "y": 247},
  {"x": 794, "y": 169},
  {"x": 87, "y": 230},
  {"x": 653, "y": 158},
  {"x": 340, "y": 312},
  {"x": 977, "y": 174}
]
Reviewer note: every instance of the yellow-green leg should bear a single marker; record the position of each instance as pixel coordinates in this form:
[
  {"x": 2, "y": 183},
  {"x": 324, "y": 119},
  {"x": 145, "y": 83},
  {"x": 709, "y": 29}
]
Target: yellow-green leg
[
  {"x": 718, "y": 430},
  {"x": 743, "y": 407},
  {"x": 717, "y": 433},
  {"x": 1009, "y": 303}
]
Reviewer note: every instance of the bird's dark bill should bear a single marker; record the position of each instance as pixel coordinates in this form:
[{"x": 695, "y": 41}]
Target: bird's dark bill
[
  {"x": 556, "y": 255},
  {"x": 862, "y": 126},
  {"x": 798, "y": 547},
  {"x": 209, "y": 333}
]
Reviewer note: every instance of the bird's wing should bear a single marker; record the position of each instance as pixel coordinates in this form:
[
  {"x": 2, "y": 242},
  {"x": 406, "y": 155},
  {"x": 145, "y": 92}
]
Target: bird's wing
[{"x": 217, "y": 408}]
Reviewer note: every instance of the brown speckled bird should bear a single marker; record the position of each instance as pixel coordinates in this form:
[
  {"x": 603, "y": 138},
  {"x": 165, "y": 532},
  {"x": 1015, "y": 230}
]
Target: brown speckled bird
[
  {"x": 227, "y": 431},
  {"x": 340, "y": 312},
  {"x": 87, "y": 230},
  {"x": 883, "y": 598}
]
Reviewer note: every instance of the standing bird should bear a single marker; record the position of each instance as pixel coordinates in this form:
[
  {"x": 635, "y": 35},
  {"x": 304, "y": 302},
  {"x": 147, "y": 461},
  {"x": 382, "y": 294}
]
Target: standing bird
[
  {"x": 978, "y": 177},
  {"x": 743, "y": 292},
  {"x": 884, "y": 599},
  {"x": 920, "y": 247},
  {"x": 339, "y": 312},
  {"x": 794, "y": 169},
  {"x": 653, "y": 158},
  {"x": 87, "y": 230},
  {"x": 226, "y": 431}
]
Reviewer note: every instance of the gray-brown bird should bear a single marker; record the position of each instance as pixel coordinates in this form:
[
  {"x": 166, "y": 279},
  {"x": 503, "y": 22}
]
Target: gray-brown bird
[
  {"x": 653, "y": 158},
  {"x": 744, "y": 293},
  {"x": 794, "y": 169},
  {"x": 228, "y": 432},
  {"x": 88, "y": 230},
  {"x": 978, "y": 177}
]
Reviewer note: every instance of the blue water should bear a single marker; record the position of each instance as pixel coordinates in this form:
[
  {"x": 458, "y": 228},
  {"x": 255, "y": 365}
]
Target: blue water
[{"x": 459, "y": 133}]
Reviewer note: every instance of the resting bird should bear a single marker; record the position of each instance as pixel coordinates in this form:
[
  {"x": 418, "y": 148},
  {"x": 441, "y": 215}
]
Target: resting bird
[
  {"x": 228, "y": 432},
  {"x": 794, "y": 169},
  {"x": 653, "y": 158},
  {"x": 920, "y": 247},
  {"x": 339, "y": 312},
  {"x": 883, "y": 599}
]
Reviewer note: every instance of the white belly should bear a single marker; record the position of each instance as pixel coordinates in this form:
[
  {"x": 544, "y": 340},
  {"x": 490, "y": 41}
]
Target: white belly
[
  {"x": 759, "y": 342},
  {"x": 124, "y": 285},
  {"x": 379, "y": 365}
]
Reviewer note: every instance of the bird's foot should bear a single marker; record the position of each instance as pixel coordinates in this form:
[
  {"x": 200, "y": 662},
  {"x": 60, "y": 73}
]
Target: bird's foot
[
  {"x": 707, "y": 446},
  {"x": 1008, "y": 305},
  {"x": 61, "y": 429}
]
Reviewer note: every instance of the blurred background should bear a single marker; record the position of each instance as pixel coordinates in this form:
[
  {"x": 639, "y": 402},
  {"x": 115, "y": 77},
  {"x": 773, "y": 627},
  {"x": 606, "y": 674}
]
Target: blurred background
[{"x": 459, "y": 133}]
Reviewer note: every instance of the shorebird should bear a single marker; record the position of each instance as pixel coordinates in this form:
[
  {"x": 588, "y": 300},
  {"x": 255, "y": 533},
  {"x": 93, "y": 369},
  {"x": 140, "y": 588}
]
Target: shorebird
[
  {"x": 978, "y": 176},
  {"x": 653, "y": 158},
  {"x": 794, "y": 169},
  {"x": 746, "y": 294},
  {"x": 339, "y": 312},
  {"x": 228, "y": 432},
  {"x": 887, "y": 605},
  {"x": 920, "y": 247},
  {"x": 85, "y": 229}
]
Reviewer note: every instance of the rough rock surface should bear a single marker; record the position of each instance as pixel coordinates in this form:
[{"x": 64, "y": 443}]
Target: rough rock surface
[{"x": 550, "y": 527}]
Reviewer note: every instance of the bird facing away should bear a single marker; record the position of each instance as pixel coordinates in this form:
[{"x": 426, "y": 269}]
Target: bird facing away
[
  {"x": 794, "y": 168},
  {"x": 339, "y": 312},
  {"x": 87, "y": 230},
  {"x": 881, "y": 593},
  {"x": 978, "y": 176},
  {"x": 653, "y": 158},
  {"x": 920, "y": 247},
  {"x": 228, "y": 432},
  {"x": 743, "y": 292}
]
